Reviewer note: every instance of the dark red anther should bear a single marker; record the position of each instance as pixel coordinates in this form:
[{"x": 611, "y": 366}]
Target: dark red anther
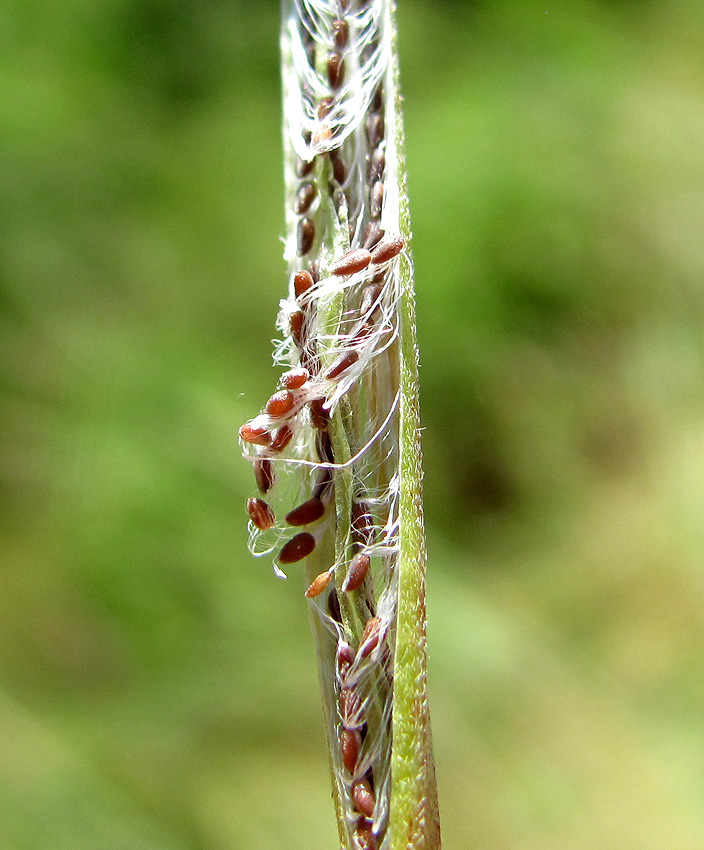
[
  {"x": 375, "y": 129},
  {"x": 325, "y": 107},
  {"x": 341, "y": 364},
  {"x": 387, "y": 249},
  {"x": 296, "y": 323},
  {"x": 350, "y": 745},
  {"x": 263, "y": 474},
  {"x": 305, "y": 235},
  {"x": 294, "y": 378},
  {"x": 306, "y": 513},
  {"x": 281, "y": 439},
  {"x": 357, "y": 572},
  {"x": 336, "y": 70},
  {"x": 304, "y": 198},
  {"x": 370, "y": 637},
  {"x": 302, "y": 282},
  {"x": 366, "y": 839},
  {"x": 372, "y": 235},
  {"x": 304, "y": 167},
  {"x": 257, "y": 435},
  {"x": 376, "y": 199},
  {"x": 352, "y": 262},
  {"x": 280, "y": 403},
  {"x": 363, "y": 797},
  {"x": 261, "y": 514},
  {"x": 340, "y": 33},
  {"x": 319, "y": 415},
  {"x": 318, "y": 585},
  {"x": 297, "y": 548}
]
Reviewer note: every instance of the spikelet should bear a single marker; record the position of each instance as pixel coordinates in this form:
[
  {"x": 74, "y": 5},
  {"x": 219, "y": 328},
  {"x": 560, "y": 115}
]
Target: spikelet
[{"x": 335, "y": 450}]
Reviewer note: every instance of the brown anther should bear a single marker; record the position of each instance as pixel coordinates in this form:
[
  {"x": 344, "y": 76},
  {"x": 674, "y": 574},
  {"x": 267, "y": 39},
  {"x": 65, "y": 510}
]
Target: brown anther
[
  {"x": 377, "y": 164},
  {"x": 370, "y": 298},
  {"x": 387, "y": 249},
  {"x": 365, "y": 837},
  {"x": 357, "y": 572},
  {"x": 341, "y": 364},
  {"x": 339, "y": 172},
  {"x": 378, "y": 99},
  {"x": 305, "y": 236},
  {"x": 362, "y": 330},
  {"x": 281, "y": 439},
  {"x": 336, "y": 70},
  {"x": 263, "y": 474},
  {"x": 375, "y": 129},
  {"x": 344, "y": 656},
  {"x": 352, "y": 262},
  {"x": 340, "y": 33},
  {"x": 322, "y": 135},
  {"x": 370, "y": 637},
  {"x": 304, "y": 167},
  {"x": 304, "y": 198},
  {"x": 296, "y": 323},
  {"x": 294, "y": 378},
  {"x": 302, "y": 282},
  {"x": 362, "y": 522},
  {"x": 261, "y": 514},
  {"x": 306, "y": 513},
  {"x": 325, "y": 107},
  {"x": 280, "y": 403},
  {"x": 350, "y": 745},
  {"x": 319, "y": 415},
  {"x": 363, "y": 797},
  {"x": 297, "y": 548},
  {"x": 257, "y": 435},
  {"x": 376, "y": 199},
  {"x": 372, "y": 235},
  {"x": 318, "y": 585}
]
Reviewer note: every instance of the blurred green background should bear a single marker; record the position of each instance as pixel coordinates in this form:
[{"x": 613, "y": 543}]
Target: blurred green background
[{"x": 158, "y": 684}]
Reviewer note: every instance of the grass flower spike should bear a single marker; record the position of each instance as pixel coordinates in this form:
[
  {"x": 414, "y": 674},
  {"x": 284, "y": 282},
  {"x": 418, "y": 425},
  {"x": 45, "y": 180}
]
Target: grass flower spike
[{"x": 335, "y": 451}]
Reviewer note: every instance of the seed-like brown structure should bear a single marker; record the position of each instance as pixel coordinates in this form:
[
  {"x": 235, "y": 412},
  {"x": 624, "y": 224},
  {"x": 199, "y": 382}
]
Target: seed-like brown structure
[
  {"x": 339, "y": 172},
  {"x": 344, "y": 656},
  {"x": 377, "y": 103},
  {"x": 372, "y": 234},
  {"x": 302, "y": 282},
  {"x": 387, "y": 249},
  {"x": 304, "y": 198},
  {"x": 305, "y": 236},
  {"x": 318, "y": 585},
  {"x": 352, "y": 262},
  {"x": 375, "y": 129},
  {"x": 376, "y": 199},
  {"x": 325, "y": 107},
  {"x": 306, "y": 513},
  {"x": 370, "y": 637},
  {"x": 340, "y": 33},
  {"x": 261, "y": 514},
  {"x": 319, "y": 415},
  {"x": 257, "y": 435},
  {"x": 363, "y": 797},
  {"x": 297, "y": 548},
  {"x": 280, "y": 403},
  {"x": 336, "y": 70},
  {"x": 357, "y": 572},
  {"x": 341, "y": 364},
  {"x": 304, "y": 167},
  {"x": 281, "y": 439},
  {"x": 350, "y": 744},
  {"x": 263, "y": 474},
  {"x": 296, "y": 323},
  {"x": 370, "y": 297},
  {"x": 294, "y": 378}
]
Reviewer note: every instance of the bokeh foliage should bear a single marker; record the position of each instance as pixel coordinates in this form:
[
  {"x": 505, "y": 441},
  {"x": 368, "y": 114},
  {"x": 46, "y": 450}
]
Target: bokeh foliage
[{"x": 158, "y": 688}]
